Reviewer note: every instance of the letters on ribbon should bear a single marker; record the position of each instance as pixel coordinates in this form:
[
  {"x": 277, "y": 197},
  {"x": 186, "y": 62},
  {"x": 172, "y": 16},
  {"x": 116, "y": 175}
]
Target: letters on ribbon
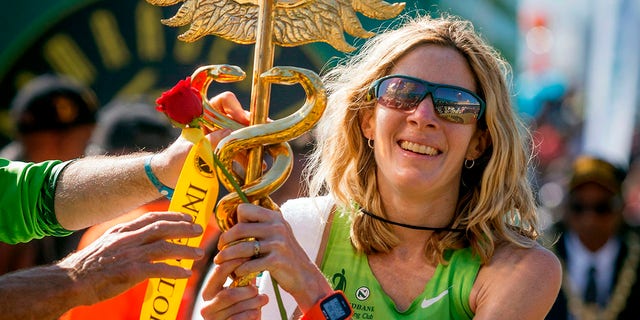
[{"x": 195, "y": 194}]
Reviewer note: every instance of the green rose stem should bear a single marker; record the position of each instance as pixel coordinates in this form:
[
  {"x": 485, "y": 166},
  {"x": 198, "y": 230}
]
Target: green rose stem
[{"x": 236, "y": 186}]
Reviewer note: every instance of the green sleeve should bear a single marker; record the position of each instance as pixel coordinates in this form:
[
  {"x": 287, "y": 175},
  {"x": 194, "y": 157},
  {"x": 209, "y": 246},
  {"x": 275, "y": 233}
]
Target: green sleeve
[{"x": 27, "y": 192}]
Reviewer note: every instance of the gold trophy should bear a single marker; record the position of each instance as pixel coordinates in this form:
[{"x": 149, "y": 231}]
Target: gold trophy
[{"x": 267, "y": 23}]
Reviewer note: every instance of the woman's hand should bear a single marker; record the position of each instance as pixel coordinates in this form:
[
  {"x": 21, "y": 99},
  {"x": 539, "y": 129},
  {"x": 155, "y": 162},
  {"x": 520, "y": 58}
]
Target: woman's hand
[
  {"x": 230, "y": 303},
  {"x": 228, "y": 104},
  {"x": 279, "y": 253}
]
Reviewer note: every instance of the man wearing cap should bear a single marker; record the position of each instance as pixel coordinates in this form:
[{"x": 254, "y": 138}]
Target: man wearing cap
[
  {"x": 600, "y": 253},
  {"x": 54, "y": 118}
]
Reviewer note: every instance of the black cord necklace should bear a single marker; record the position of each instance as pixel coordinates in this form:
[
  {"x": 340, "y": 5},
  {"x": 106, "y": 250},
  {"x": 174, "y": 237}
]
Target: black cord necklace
[{"x": 411, "y": 226}]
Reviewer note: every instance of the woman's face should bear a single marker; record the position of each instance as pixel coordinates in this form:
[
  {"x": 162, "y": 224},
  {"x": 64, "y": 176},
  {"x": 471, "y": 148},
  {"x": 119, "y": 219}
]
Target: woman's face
[{"x": 420, "y": 151}]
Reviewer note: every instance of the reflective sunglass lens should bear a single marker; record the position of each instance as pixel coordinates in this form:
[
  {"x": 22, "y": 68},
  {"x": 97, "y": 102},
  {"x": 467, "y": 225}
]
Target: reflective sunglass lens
[
  {"x": 452, "y": 115},
  {"x": 400, "y": 93},
  {"x": 404, "y": 93},
  {"x": 456, "y": 105}
]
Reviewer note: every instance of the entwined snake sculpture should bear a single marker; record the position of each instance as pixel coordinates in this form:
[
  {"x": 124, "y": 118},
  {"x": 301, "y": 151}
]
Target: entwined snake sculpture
[{"x": 273, "y": 136}]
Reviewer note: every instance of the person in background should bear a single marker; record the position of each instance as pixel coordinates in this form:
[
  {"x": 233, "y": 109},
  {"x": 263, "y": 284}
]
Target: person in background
[
  {"x": 420, "y": 202},
  {"x": 54, "y": 117},
  {"x": 631, "y": 188},
  {"x": 600, "y": 253},
  {"x": 131, "y": 124}
]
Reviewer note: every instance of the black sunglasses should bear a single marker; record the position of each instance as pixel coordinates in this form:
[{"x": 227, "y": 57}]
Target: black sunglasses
[
  {"x": 600, "y": 208},
  {"x": 404, "y": 93}
]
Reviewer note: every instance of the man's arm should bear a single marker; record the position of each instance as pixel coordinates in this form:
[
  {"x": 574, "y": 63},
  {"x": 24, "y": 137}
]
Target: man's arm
[
  {"x": 96, "y": 189},
  {"x": 121, "y": 258}
]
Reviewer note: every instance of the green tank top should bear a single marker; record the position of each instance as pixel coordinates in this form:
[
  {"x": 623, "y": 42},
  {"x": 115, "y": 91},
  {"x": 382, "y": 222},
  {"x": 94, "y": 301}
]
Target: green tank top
[{"x": 446, "y": 295}]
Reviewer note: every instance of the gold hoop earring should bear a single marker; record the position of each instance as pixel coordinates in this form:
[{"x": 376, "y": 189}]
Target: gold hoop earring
[
  {"x": 370, "y": 143},
  {"x": 469, "y": 163}
]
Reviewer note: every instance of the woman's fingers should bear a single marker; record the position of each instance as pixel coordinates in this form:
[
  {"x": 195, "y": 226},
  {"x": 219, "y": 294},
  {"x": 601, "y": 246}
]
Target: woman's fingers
[
  {"x": 253, "y": 222},
  {"x": 221, "y": 272},
  {"x": 235, "y": 303},
  {"x": 243, "y": 249},
  {"x": 230, "y": 303},
  {"x": 228, "y": 103}
]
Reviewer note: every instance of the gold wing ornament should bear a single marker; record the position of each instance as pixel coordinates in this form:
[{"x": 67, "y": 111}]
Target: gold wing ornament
[{"x": 296, "y": 22}]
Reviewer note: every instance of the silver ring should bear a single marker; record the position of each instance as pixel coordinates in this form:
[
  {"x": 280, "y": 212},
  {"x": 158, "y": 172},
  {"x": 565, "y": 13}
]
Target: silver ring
[{"x": 256, "y": 248}]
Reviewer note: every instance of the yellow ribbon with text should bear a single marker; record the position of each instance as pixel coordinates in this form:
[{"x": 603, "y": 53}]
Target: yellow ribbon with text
[{"x": 196, "y": 193}]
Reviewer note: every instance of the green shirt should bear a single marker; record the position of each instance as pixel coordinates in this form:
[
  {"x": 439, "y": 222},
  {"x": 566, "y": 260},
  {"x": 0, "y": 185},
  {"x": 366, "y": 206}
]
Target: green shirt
[
  {"x": 27, "y": 192},
  {"x": 446, "y": 295}
]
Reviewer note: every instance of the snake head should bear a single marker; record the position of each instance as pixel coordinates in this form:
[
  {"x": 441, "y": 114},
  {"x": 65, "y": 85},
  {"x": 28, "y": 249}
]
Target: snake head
[
  {"x": 282, "y": 75},
  {"x": 224, "y": 73},
  {"x": 202, "y": 78}
]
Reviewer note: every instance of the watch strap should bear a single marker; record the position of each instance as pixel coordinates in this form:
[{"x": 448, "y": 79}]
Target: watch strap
[{"x": 317, "y": 313}]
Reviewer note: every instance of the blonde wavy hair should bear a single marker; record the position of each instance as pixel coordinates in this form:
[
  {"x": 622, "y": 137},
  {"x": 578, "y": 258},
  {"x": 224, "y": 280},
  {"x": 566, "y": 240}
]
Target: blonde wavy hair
[{"x": 496, "y": 202}]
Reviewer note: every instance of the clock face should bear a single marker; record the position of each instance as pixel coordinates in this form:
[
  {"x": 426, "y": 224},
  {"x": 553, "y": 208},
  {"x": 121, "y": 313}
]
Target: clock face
[{"x": 120, "y": 48}]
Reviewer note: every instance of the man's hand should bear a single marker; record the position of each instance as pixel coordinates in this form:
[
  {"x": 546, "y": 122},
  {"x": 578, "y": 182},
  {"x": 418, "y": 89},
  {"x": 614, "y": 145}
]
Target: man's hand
[{"x": 132, "y": 252}]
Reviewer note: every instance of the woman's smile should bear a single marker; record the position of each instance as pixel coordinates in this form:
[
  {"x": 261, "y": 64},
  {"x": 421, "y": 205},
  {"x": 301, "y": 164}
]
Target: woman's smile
[{"x": 418, "y": 148}]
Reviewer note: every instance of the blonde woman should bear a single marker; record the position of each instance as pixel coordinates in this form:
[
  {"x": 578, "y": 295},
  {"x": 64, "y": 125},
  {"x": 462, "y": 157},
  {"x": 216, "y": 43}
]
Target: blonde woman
[{"x": 420, "y": 206}]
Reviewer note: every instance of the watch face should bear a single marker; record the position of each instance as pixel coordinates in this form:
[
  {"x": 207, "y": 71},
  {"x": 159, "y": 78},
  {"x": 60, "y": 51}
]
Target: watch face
[
  {"x": 120, "y": 48},
  {"x": 336, "y": 307}
]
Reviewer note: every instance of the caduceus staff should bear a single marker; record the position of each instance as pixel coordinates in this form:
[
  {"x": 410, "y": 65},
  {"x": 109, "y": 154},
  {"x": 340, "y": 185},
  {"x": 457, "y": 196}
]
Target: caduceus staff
[
  {"x": 285, "y": 23},
  {"x": 267, "y": 23}
]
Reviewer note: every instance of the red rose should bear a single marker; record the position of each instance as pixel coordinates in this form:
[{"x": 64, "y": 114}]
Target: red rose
[{"x": 182, "y": 104}]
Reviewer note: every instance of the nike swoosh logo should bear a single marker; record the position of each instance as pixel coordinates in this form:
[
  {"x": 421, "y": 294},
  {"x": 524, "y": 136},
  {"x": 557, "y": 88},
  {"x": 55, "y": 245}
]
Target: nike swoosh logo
[{"x": 428, "y": 302}]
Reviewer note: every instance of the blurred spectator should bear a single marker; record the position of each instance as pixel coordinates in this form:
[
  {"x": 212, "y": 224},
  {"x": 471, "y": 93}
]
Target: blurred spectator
[
  {"x": 131, "y": 124},
  {"x": 631, "y": 189},
  {"x": 600, "y": 252},
  {"x": 54, "y": 118}
]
